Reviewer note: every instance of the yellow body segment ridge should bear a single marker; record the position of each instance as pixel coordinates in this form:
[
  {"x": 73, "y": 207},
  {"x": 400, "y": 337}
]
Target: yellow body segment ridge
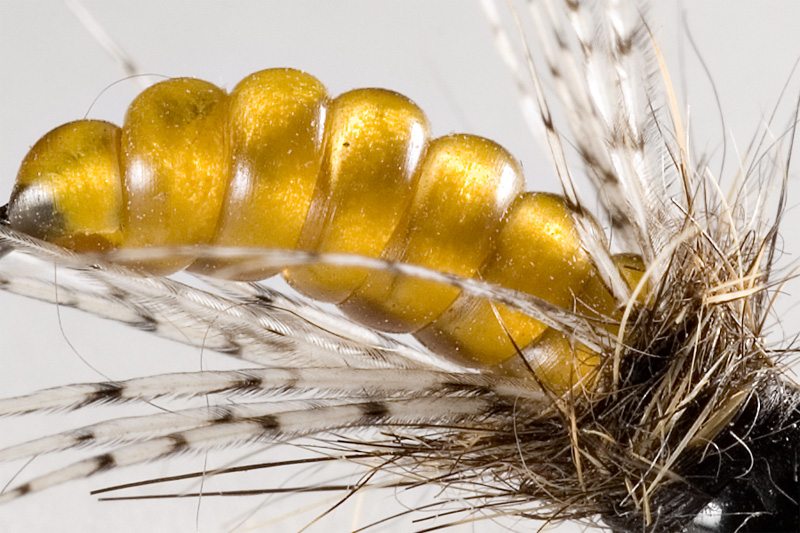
[
  {"x": 375, "y": 141},
  {"x": 174, "y": 165},
  {"x": 69, "y": 189}
]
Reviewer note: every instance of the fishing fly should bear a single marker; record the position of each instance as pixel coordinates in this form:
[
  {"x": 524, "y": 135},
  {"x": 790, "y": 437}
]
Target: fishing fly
[{"x": 439, "y": 326}]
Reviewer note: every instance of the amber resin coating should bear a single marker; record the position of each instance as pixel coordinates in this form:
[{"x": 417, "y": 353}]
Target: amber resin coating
[
  {"x": 374, "y": 143},
  {"x": 274, "y": 135},
  {"x": 279, "y": 164}
]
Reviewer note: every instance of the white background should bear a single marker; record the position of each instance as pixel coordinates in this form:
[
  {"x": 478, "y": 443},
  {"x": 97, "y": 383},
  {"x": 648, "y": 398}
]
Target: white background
[{"x": 438, "y": 53}]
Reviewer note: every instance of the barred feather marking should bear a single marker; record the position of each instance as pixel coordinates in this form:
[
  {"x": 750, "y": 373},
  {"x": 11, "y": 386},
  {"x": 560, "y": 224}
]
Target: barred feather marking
[
  {"x": 353, "y": 382},
  {"x": 266, "y": 422},
  {"x": 593, "y": 240},
  {"x": 598, "y": 114}
]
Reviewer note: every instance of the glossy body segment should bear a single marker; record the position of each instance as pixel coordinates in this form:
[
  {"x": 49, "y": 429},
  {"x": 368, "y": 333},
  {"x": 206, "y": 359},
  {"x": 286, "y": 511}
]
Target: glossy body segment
[
  {"x": 174, "y": 165},
  {"x": 538, "y": 252},
  {"x": 375, "y": 141},
  {"x": 278, "y": 164},
  {"x": 69, "y": 189},
  {"x": 274, "y": 133},
  {"x": 466, "y": 185}
]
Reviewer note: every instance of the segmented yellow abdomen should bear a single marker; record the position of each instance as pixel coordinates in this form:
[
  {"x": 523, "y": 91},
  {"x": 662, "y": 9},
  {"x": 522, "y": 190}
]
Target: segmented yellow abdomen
[{"x": 279, "y": 164}]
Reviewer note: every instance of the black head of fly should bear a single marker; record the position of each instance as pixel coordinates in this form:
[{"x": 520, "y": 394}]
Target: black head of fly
[
  {"x": 746, "y": 481},
  {"x": 756, "y": 482}
]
